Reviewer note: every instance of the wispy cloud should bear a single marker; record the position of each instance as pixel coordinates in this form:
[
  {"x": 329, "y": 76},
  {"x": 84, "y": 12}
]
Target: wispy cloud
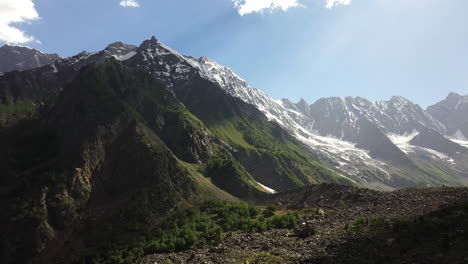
[
  {"x": 13, "y": 12},
  {"x": 129, "y": 3},
  {"x": 245, "y": 7},
  {"x": 333, "y": 3}
]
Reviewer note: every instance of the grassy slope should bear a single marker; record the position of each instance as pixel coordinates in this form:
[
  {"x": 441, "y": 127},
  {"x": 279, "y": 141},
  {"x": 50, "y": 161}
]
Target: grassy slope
[
  {"x": 268, "y": 146},
  {"x": 268, "y": 153}
]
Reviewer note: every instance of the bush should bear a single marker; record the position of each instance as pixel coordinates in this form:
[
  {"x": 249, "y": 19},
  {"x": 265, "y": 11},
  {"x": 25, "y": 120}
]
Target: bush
[
  {"x": 362, "y": 224},
  {"x": 206, "y": 224},
  {"x": 270, "y": 210},
  {"x": 306, "y": 231}
]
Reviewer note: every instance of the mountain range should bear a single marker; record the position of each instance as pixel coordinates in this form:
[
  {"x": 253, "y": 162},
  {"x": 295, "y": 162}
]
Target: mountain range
[{"x": 101, "y": 141}]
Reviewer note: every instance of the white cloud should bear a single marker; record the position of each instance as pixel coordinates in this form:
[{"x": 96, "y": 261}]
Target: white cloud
[
  {"x": 254, "y": 6},
  {"x": 332, "y": 3},
  {"x": 16, "y": 11},
  {"x": 129, "y": 3}
]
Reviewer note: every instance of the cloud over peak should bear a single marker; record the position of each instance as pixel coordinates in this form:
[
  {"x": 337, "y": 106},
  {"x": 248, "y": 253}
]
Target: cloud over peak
[
  {"x": 245, "y": 7},
  {"x": 333, "y": 3},
  {"x": 13, "y": 12},
  {"x": 129, "y": 3}
]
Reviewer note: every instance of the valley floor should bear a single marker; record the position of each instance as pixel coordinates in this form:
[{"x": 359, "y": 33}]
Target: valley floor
[{"x": 351, "y": 225}]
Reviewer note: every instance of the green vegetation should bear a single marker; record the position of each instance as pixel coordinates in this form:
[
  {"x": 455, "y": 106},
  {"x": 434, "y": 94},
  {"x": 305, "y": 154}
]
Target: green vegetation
[
  {"x": 205, "y": 225},
  {"x": 197, "y": 227},
  {"x": 269, "y": 150},
  {"x": 368, "y": 225},
  {"x": 265, "y": 258},
  {"x": 12, "y": 112},
  {"x": 229, "y": 175},
  {"x": 306, "y": 231},
  {"x": 438, "y": 237},
  {"x": 38, "y": 213}
]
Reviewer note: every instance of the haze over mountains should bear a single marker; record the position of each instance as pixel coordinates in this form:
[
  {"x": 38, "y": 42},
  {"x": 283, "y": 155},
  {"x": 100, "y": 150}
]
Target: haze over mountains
[{"x": 129, "y": 133}]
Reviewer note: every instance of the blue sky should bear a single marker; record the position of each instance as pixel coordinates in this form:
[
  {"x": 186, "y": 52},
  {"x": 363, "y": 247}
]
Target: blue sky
[{"x": 297, "y": 49}]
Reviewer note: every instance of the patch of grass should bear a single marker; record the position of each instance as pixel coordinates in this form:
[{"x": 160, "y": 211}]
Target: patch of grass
[
  {"x": 12, "y": 112},
  {"x": 368, "y": 225},
  {"x": 269, "y": 144},
  {"x": 226, "y": 173},
  {"x": 264, "y": 257}
]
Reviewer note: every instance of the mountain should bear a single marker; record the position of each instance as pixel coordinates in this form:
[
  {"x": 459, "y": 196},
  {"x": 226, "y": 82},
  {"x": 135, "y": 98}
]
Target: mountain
[
  {"x": 398, "y": 115},
  {"x": 405, "y": 138},
  {"x": 380, "y": 164},
  {"x": 452, "y": 112},
  {"x": 360, "y": 140},
  {"x": 13, "y": 58},
  {"x": 103, "y": 146},
  {"x": 99, "y": 145},
  {"x": 338, "y": 131}
]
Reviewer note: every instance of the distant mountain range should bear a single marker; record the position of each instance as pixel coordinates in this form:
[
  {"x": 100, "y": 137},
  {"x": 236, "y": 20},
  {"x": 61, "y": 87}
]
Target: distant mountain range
[
  {"x": 403, "y": 139},
  {"x": 134, "y": 132}
]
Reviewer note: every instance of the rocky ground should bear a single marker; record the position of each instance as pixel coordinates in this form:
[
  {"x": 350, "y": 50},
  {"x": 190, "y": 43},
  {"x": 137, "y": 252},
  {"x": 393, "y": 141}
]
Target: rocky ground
[{"x": 331, "y": 209}]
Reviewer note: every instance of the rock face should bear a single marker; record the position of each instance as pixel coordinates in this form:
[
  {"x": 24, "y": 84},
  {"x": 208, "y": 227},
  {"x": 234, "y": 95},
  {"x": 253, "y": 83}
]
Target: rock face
[
  {"x": 452, "y": 112},
  {"x": 13, "y": 58},
  {"x": 432, "y": 140}
]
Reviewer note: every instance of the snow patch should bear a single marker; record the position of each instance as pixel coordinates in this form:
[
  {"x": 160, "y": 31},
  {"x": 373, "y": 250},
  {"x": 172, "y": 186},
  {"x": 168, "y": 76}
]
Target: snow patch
[
  {"x": 268, "y": 189},
  {"x": 433, "y": 154},
  {"x": 459, "y": 135},
  {"x": 459, "y": 138},
  {"x": 126, "y": 56},
  {"x": 54, "y": 68},
  {"x": 403, "y": 141}
]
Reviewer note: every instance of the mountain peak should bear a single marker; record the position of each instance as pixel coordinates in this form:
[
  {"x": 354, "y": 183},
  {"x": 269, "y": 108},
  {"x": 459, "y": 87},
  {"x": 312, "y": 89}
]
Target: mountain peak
[
  {"x": 8, "y": 46},
  {"x": 120, "y": 51},
  {"x": 154, "y": 40},
  {"x": 23, "y": 58},
  {"x": 399, "y": 99},
  {"x": 116, "y": 44},
  {"x": 204, "y": 59},
  {"x": 302, "y": 102},
  {"x": 453, "y": 95},
  {"x": 303, "y": 106}
]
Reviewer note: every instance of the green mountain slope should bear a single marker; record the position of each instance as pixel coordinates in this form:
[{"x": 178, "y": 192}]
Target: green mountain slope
[{"x": 268, "y": 152}]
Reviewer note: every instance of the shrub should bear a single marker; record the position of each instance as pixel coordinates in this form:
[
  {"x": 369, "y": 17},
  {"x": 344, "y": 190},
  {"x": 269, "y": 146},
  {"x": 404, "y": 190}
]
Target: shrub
[
  {"x": 306, "y": 231},
  {"x": 206, "y": 224}
]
